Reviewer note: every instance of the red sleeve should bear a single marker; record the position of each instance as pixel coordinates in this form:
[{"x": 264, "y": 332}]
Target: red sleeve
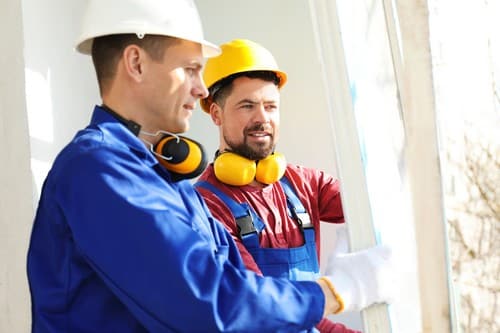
[
  {"x": 328, "y": 326},
  {"x": 330, "y": 203},
  {"x": 223, "y": 214},
  {"x": 319, "y": 191}
]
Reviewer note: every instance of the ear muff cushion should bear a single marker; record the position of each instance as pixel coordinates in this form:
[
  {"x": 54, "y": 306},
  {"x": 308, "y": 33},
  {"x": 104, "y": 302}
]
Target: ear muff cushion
[
  {"x": 271, "y": 168},
  {"x": 233, "y": 169},
  {"x": 177, "y": 152},
  {"x": 187, "y": 156}
]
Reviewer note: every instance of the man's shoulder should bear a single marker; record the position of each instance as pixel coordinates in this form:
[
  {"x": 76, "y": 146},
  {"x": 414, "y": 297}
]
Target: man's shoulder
[
  {"x": 306, "y": 176},
  {"x": 85, "y": 142},
  {"x": 297, "y": 170},
  {"x": 89, "y": 150}
]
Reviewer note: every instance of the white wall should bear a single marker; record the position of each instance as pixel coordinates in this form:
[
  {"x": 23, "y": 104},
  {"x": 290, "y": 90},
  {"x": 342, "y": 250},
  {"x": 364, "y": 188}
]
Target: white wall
[
  {"x": 15, "y": 178},
  {"x": 60, "y": 83}
]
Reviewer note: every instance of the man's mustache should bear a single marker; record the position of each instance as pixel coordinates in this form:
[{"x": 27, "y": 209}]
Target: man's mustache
[{"x": 259, "y": 127}]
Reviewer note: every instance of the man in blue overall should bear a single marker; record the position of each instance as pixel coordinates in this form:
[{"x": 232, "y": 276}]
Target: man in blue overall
[
  {"x": 121, "y": 240},
  {"x": 272, "y": 209}
]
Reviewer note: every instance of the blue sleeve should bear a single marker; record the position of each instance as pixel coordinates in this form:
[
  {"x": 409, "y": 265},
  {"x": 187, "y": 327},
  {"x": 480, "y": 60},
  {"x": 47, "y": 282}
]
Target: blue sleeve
[{"x": 151, "y": 243}]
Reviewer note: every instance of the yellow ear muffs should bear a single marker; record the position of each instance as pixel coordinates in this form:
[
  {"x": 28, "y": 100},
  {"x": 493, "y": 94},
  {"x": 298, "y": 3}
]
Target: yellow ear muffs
[
  {"x": 233, "y": 169},
  {"x": 183, "y": 157},
  {"x": 236, "y": 170},
  {"x": 271, "y": 168}
]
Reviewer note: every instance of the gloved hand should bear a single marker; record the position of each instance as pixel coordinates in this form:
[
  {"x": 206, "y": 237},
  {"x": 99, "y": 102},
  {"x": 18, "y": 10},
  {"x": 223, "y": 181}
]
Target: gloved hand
[{"x": 364, "y": 277}]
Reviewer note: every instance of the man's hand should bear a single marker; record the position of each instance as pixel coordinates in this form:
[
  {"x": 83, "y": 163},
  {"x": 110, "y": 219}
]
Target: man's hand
[{"x": 362, "y": 278}]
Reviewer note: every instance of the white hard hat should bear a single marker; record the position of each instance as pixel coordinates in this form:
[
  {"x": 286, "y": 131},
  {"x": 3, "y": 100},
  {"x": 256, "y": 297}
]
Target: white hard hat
[{"x": 175, "y": 18}]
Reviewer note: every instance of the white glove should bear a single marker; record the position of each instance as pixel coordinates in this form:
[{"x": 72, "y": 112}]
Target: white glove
[{"x": 363, "y": 278}]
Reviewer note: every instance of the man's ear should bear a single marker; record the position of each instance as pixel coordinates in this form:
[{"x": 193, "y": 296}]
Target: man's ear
[
  {"x": 216, "y": 113},
  {"x": 133, "y": 59}
]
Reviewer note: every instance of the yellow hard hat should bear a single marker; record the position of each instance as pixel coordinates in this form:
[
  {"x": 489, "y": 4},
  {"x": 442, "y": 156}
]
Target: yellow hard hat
[{"x": 239, "y": 55}]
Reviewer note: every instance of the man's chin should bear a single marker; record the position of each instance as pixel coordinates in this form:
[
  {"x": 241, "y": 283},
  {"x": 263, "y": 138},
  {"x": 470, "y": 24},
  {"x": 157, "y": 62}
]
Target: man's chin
[
  {"x": 182, "y": 127},
  {"x": 261, "y": 154}
]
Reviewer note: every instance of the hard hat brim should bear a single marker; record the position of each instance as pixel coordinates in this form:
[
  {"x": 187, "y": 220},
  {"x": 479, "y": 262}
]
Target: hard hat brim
[
  {"x": 209, "y": 50},
  {"x": 283, "y": 77}
]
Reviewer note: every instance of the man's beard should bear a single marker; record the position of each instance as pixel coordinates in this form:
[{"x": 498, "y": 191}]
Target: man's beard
[{"x": 244, "y": 149}]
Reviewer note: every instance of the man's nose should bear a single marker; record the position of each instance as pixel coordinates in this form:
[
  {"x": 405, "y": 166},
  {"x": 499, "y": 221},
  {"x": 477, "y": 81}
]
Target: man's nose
[
  {"x": 261, "y": 113},
  {"x": 199, "y": 89}
]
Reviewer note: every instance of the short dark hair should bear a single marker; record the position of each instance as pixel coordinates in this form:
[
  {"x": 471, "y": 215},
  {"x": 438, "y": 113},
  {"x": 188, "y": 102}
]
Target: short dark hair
[
  {"x": 107, "y": 50},
  {"x": 222, "y": 88}
]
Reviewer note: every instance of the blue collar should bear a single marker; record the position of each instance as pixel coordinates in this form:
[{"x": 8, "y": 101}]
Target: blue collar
[{"x": 115, "y": 132}]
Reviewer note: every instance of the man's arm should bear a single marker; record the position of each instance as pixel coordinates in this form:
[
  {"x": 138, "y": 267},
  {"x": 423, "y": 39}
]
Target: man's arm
[
  {"x": 319, "y": 192},
  {"x": 153, "y": 246}
]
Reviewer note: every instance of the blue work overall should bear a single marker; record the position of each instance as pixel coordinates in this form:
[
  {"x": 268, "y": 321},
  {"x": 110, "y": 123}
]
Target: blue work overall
[{"x": 298, "y": 263}]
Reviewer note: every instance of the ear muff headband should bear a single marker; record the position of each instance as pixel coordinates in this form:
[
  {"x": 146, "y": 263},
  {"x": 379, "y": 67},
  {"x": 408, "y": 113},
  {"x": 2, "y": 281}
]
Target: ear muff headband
[
  {"x": 233, "y": 169},
  {"x": 185, "y": 158}
]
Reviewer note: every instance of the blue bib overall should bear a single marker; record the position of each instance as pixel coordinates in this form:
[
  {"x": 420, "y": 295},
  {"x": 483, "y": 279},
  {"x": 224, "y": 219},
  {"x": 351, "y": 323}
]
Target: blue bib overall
[{"x": 298, "y": 263}]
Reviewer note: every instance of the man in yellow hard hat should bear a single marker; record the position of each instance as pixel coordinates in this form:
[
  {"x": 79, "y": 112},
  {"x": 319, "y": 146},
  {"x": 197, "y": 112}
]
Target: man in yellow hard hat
[
  {"x": 121, "y": 241},
  {"x": 272, "y": 209}
]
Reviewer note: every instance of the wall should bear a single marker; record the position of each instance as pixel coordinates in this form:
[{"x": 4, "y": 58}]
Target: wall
[
  {"x": 15, "y": 177},
  {"x": 60, "y": 83}
]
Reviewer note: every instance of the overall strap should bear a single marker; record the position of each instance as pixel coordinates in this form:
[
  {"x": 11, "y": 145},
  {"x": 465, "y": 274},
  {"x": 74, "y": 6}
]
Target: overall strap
[
  {"x": 295, "y": 208},
  {"x": 249, "y": 224}
]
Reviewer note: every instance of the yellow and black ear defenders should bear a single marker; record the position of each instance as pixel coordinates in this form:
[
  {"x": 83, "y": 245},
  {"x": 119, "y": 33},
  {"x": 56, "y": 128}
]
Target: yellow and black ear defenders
[
  {"x": 236, "y": 170},
  {"x": 183, "y": 157}
]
